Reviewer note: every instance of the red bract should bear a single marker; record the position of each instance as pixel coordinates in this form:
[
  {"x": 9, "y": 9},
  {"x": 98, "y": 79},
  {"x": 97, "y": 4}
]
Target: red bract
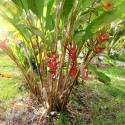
[
  {"x": 101, "y": 36},
  {"x": 72, "y": 54},
  {"x": 101, "y": 39},
  {"x": 73, "y": 71},
  {"x": 102, "y": 33},
  {"x": 3, "y": 44},
  {"x": 49, "y": 56},
  {"x": 73, "y": 47},
  {"x": 52, "y": 64},
  {"x": 98, "y": 49}
]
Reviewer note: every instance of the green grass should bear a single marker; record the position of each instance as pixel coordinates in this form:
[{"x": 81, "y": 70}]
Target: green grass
[
  {"x": 117, "y": 86},
  {"x": 107, "y": 102},
  {"x": 9, "y": 87}
]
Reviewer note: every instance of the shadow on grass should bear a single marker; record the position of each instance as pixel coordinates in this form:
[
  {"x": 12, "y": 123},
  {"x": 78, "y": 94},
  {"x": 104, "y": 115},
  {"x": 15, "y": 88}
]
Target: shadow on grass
[
  {"x": 116, "y": 72},
  {"x": 114, "y": 91}
]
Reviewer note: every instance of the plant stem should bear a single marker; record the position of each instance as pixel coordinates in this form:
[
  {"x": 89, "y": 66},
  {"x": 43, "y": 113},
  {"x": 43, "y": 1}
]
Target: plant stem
[{"x": 84, "y": 105}]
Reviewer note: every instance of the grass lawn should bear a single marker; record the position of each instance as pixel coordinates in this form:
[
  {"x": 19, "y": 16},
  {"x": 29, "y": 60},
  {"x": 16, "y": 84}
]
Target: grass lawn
[
  {"x": 107, "y": 102},
  {"x": 9, "y": 87}
]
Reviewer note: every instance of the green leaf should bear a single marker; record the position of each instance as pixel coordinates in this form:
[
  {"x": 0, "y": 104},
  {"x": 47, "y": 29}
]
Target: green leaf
[
  {"x": 93, "y": 68},
  {"x": 36, "y": 6},
  {"x": 87, "y": 3},
  {"x": 105, "y": 18},
  {"x": 110, "y": 62},
  {"x": 13, "y": 18},
  {"x": 22, "y": 4},
  {"x": 77, "y": 35},
  {"x": 102, "y": 20},
  {"x": 37, "y": 31},
  {"x": 101, "y": 75},
  {"x": 67, "y": 8},
  {"x": 49, "y": 17}
]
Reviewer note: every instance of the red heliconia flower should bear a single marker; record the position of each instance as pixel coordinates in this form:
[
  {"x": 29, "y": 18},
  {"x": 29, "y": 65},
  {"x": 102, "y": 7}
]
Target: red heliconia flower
[
  {"x": 101, "y": 39},
  {"x": 73, "y": 46},
  {"x": 72, "y": 54},
  {"x": 98, "y": 49},
  {"x": 73, "y": 71},
  {"x": 86, "y": 72},
  {"x": 3, "y": 44},
  {"x": 102, "y": 32},
  {"x": 50, "y": 56},
  {"x": 101, "y": 36},
  {"x": 52, "y": 64}
]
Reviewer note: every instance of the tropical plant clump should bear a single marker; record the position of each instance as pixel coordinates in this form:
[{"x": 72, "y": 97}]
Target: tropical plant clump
[{"x": 54, "y": 35}]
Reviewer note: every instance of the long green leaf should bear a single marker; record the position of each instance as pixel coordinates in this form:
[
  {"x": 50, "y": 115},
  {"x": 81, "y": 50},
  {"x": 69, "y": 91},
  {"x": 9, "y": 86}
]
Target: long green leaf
[
  {"x": 49, "y": 18},
  {"x": 101, "y": 75},
  {"x": 36, "y": 6},
  {"x": 15, "y": 21},
  {"x": 86, "y": 3},
  {"x": 37, "y": 31},
  {"x": 67, "y": 8},
  {"x": 22, "y": 4},
  {"x": 102, "y": 20}
]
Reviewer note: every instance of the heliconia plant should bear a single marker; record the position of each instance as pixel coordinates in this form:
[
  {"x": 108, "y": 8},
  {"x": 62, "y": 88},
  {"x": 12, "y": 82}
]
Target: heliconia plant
[{"x": 54, "y": 33}]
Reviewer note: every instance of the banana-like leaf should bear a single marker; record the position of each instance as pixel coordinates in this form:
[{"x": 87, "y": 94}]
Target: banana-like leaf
[
  {"x": 67, "y": 8},
  {"x": 22, "y": 4},
  {"x": 102, "y": 20},
  {"x": 101, "y": 75},
  {"x": 13, "y": 18},
  {"x": 86, "y": 3},
  {"x": 37, "y": 31},
  {"x": 36, "y": 6},
  {"x": 49, "y": 17}
]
